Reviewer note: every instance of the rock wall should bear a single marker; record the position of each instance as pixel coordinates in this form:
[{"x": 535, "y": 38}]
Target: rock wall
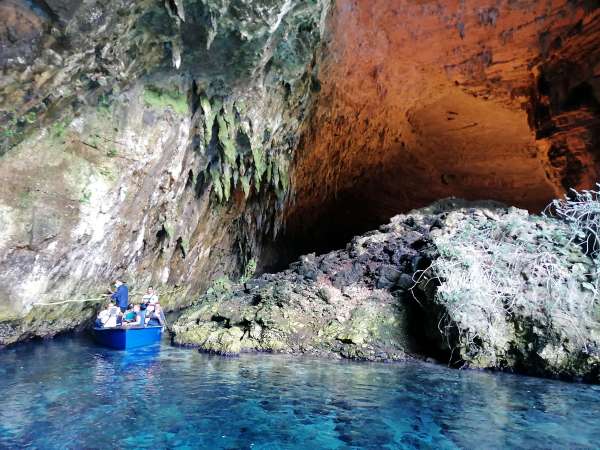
[
  {"x": 172, "y": 141},
  {"x": 149, "y": 141},
  {"x": 422, "y": 100}
]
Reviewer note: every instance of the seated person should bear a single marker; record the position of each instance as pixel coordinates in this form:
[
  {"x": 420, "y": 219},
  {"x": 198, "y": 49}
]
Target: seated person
[
  {"x": 157, "y": 317},
  {"x": 150, "y": 299},
  {"x": 102, "y": 317},
  {"x": 130, "y": 315},
  {"x": 139, "y": 318},
  {"x": 108, "y": 318}
]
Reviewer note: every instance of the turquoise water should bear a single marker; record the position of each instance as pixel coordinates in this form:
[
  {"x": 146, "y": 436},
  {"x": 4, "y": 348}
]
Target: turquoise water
[{"x": 69, "y": 393}]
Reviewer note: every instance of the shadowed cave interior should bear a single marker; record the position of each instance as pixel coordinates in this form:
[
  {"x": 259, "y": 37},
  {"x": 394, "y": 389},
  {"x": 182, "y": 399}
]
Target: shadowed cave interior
[{"x": 394, "y": 129}]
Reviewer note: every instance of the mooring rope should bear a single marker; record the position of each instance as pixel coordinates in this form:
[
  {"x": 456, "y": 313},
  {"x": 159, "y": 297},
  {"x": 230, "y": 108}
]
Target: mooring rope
[{"x": 102, "y": 298}]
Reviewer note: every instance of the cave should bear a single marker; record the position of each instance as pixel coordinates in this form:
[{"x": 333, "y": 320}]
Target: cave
[
  {"x": 342, "y": 181},
  {"x": 183, "y": 140},
  {"x": 447, "y": 105}
]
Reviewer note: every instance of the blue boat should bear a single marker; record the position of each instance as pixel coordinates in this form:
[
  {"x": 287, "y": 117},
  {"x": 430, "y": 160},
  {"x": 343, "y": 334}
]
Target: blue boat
[{"x": 123, "y": 338}]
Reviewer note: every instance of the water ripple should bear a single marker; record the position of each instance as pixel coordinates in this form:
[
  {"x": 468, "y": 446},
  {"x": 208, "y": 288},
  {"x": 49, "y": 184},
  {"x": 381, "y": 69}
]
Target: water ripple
[{"x": 70, "y": 394}]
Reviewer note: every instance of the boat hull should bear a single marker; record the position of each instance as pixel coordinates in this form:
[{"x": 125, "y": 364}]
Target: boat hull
[{"x": 125, "y": 338}]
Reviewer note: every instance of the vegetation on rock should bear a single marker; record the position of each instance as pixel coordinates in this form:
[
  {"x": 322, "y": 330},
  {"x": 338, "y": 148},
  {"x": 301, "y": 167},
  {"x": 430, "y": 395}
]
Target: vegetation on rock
[
  {"x": 161, "y": 98},
  {"x": 514, "y": 293},
  {"x": 476, "y": 285}
]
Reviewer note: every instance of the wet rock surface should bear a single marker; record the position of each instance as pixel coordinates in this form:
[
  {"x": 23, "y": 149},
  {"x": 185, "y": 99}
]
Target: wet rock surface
[
  {"x": 173, "y": 142},
  {"x": 150, "y": 141}
]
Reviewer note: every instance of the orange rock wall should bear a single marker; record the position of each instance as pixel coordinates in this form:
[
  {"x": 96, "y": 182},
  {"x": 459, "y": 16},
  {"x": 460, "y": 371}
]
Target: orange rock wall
[{"x": 426, "y": 99}]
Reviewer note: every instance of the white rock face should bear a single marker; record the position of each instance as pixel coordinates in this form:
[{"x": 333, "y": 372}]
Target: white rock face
[{"x": 164, "y": 162}]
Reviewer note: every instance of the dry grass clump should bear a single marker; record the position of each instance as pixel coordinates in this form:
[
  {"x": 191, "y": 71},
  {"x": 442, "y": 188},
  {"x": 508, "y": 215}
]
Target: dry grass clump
[
  {"x": 581, "y": 211},
  {"x": 496, "y": 269}
]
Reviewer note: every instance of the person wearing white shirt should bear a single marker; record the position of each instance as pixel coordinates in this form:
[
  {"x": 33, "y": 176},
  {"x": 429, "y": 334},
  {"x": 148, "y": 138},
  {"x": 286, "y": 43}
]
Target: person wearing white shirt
[
  {"x": 150, "y": 298},
  {"x": 107, "y": 318}
]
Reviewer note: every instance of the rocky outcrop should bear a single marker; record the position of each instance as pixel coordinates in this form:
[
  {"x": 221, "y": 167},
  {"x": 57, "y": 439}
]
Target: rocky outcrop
[
  {"x": 346, "y": 303},
  {"x": 480, "y": 286},
  {"x": 511, "y": 291}
]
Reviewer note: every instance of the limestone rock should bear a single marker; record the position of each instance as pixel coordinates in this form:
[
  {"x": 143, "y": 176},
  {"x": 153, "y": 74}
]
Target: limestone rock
[
  {"x": 113, "y": 162},
  {"x": 322, "y": 305},
  {"x": 424, "y": 100},
  {"x": 515, "y": 293},
  {"x": 472, "y": 284}
]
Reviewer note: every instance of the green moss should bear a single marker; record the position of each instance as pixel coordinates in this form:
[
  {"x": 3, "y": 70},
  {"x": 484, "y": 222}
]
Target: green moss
[
  {"x": 8, "y": 132},
  {"x": 104, "y": 104},
  {"x": 216, "y": 179},
  {"x": 185, "y": 247},
  {"x": 260, "y": 166},
  {"x": 240, "y": 107},
  {"x": 30, "y": 117},
  {"x": 161, "y": 98},
  {"x": 226, "y": 139},
  {"x": 10, "y": 129},
  {"x": 249, "y": 270},
  {"x": 245, "y": 180},
  {"x": 209, "y": 119},
  {"x": 237, "y": 142},
  {"x": 220, "y": 286},
  {"x": 59, "y": 127},
  {"x": 85, "y": 197},
  {"x": 226, "y": 181},
  {"x": 107, "y": 173},
  {"x": 169, "y": 229}
]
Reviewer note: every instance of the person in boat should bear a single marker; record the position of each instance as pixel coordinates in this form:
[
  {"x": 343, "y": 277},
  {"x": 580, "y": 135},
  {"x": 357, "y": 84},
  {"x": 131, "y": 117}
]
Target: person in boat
[
  {"x": 130, "y": 315},
  {"x": 157, "y": 317},
  {"x": 108, "y": 318},
  {"x": 154, "y": 315},
  {"x": 138, "y": 319},
  {"x": 150, "y": 299},
  {"x": 142, "y": 313},
  {"x": 121, "y": 296}
]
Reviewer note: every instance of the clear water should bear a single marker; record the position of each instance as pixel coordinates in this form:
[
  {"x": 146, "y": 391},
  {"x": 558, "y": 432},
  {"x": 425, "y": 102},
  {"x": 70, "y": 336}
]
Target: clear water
[{"x": 69, "y": 393}]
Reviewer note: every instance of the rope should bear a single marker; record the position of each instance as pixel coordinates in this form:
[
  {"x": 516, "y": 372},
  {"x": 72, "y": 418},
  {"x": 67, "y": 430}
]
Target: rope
[{"x": 100, "y": 298}]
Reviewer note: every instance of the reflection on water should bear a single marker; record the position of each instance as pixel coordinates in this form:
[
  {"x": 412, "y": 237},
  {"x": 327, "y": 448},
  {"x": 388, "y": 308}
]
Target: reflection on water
[{"x": 69, "y": 393}]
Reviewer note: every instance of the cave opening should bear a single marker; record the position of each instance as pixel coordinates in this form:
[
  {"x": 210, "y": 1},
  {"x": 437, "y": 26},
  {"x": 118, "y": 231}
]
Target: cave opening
[
  {"x": 346, "y": 184},
  {"x": 580, "y": 96},
  {"x": 403, "y": 119}
]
